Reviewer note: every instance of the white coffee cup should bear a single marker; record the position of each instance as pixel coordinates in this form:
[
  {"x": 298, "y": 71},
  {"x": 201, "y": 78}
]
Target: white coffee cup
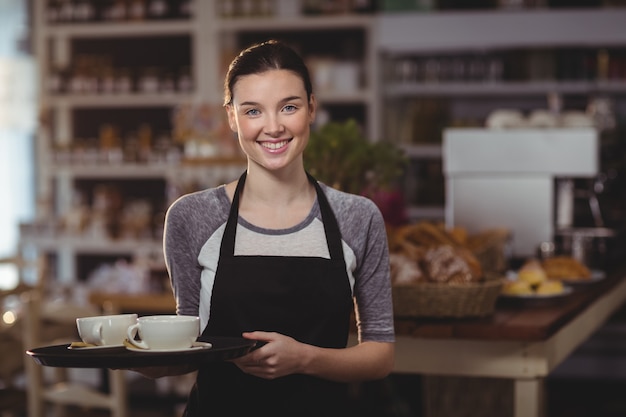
[
  {"x": 105, "y": 330},
  {"x": 164, "y": 332}
]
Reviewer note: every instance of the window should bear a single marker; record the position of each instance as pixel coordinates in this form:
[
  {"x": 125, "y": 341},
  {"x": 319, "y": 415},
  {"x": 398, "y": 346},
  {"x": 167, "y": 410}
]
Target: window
[{"x": 17, "y": 126}]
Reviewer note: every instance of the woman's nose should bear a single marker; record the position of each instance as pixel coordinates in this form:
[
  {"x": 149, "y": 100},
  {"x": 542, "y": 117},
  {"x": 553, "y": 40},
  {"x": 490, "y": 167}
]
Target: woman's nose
[{"x": 274, "y": 127}]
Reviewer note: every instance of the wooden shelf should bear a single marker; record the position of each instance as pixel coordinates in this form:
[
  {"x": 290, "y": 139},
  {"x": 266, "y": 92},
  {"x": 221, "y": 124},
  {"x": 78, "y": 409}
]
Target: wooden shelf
[
  {"x": 112, "y": 171},
  {"x": 95, "y": 246},
  {"x": 120, "y": 29},
  {"x": 343, "y": 21},
  {"x": 500, "y": 29},
  {"x": 502, "y": 88},
  {"x": 118, "y": 100}
]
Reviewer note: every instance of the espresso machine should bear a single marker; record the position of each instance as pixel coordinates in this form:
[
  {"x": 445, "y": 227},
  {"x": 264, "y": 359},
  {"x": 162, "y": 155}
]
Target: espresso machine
[
  {"x": 523, "y": 180},
  {"x": 580, "y": 228}
]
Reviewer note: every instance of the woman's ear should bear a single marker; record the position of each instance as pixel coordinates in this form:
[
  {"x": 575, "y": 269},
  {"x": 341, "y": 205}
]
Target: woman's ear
[
  {"x": 312, "y": 108},
  {"x": 230, "y": 111}
]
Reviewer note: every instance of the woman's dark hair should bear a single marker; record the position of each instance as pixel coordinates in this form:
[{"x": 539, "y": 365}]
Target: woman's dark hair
[{"x": 262, "y": 57}]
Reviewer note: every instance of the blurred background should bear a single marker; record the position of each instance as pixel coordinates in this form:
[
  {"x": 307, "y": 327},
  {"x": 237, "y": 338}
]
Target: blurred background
[{"x": 111, "y": 109}]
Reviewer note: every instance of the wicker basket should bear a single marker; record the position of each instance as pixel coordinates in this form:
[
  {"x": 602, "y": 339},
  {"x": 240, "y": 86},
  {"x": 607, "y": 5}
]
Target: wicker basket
[{"x": 446, "y": 300}]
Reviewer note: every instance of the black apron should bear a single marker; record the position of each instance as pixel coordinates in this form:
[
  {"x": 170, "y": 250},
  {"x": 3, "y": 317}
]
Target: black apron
[{"x": 307, "y": 298}]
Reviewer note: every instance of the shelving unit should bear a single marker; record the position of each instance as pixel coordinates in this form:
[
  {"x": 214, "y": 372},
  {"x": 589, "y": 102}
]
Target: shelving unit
[
  {"x": 75, "y": 110},
  {"x": 414, "y": 47}
]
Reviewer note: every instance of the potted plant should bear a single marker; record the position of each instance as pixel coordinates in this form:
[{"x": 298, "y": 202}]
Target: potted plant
[{"x": 339, "y": 155}]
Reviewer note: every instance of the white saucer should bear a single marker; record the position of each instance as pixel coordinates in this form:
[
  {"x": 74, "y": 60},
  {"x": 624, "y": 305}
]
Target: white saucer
[
  {"x": 94, "y": 347},
  {"x": 194, "y": 346}
]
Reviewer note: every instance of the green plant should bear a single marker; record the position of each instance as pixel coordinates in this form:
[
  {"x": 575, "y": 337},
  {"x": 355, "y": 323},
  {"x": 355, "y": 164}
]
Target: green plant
[{"x": 340, "y": 155}]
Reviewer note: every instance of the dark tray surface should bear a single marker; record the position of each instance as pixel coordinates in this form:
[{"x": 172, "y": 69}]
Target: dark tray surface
[{"x": 223, "y": 348}]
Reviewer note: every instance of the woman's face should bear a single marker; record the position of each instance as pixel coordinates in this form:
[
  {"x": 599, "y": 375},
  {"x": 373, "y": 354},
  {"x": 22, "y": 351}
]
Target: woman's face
[{"x": 272, "y": 117}]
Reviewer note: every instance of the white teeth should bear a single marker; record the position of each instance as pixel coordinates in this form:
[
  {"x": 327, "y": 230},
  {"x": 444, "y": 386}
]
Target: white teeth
[{"x": 274, "y": 145}]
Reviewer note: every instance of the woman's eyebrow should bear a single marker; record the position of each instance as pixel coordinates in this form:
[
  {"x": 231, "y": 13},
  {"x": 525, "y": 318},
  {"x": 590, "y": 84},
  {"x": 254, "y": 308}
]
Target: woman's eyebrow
[
  {"x": 284, "y": 100},
  {"x": 291, "y": 98}
]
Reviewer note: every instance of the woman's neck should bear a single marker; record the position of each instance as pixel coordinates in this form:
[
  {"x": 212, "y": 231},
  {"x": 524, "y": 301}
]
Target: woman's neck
[{"x": 276, "y": 201}]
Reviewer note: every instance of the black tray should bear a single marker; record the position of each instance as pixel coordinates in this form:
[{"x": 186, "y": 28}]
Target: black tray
[{"x": 223, "y": 348}]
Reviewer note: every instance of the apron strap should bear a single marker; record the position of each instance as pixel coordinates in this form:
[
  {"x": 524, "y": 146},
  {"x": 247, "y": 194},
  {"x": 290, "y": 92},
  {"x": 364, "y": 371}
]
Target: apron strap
[
  {"x": 227, "y": 248},
  {"x": 331, "y": 228}
]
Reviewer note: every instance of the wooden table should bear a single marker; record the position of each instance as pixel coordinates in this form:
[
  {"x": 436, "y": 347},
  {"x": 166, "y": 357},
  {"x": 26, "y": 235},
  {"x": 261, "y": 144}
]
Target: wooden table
[{"x": 523, "y": 343}]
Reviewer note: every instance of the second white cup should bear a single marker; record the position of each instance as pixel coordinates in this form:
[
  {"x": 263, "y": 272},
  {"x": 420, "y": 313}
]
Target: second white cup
[
  {"x": 105, "y": 330},
  {"x": 164, "y": 332}
]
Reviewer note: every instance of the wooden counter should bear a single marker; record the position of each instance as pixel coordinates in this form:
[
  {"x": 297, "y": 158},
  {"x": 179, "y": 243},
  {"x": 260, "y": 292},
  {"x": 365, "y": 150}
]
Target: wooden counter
[
  {"x": 134, "y": 303},
  {"x": 523, "y": 343},
  {"x": 514, "y": 319}
]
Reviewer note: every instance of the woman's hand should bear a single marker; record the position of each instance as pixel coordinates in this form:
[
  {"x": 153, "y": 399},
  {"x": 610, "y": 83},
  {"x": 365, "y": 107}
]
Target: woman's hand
[{"x": 280, "y": 355}]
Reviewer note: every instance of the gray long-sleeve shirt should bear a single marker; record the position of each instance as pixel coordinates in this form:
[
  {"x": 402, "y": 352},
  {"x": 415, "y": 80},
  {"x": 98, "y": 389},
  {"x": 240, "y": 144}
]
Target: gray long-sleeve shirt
[{"x": 193, "y": 234}]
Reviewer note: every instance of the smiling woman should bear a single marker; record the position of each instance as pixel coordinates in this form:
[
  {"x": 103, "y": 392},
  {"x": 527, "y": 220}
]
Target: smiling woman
[
  {"x": 281, "y": 259},
  {"x": 17, "y": 120}
]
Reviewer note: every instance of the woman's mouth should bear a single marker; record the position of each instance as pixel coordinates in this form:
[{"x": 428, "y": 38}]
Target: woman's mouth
[{"x": 275, "y": 145}]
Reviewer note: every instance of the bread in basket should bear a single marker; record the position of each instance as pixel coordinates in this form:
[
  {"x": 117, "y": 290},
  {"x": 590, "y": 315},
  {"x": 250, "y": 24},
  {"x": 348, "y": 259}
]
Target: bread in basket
[{"x": 435, "y": 273}]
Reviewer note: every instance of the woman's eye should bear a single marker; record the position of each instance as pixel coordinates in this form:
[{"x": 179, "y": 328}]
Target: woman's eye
[
  {"x": 289, "y": 108},
  {"x": 252, "y": 112}
]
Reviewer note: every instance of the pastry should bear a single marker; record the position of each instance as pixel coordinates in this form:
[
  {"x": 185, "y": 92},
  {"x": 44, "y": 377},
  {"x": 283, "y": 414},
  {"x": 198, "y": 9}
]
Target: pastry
[
  {"x": 472, "y": 262},
  {"x": 550, "y": 287},
  {"x": 517, "y": 288},
  {"x": 565, "y": 267},
  {"x": 429, "y": 235},
  {"x": 532, "y": 272},
  {"x": 446, "y": 264},
  {"x": 404, "y": 271}
]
